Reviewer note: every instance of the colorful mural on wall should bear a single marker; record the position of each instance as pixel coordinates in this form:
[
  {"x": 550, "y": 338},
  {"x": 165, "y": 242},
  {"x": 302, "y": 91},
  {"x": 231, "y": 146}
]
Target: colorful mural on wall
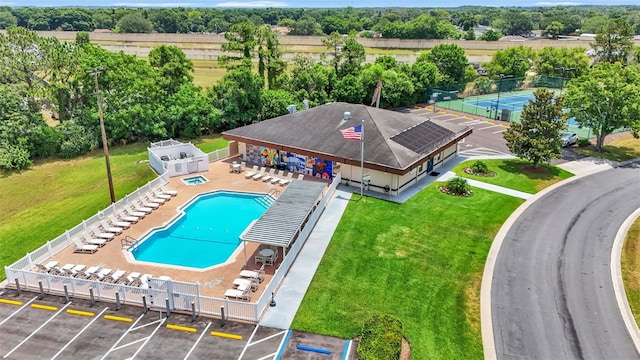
[{"x": 292, "y": 162}]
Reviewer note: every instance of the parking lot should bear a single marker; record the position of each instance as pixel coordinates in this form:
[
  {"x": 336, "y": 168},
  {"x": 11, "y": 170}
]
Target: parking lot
[{"x": 49, "y": 328}]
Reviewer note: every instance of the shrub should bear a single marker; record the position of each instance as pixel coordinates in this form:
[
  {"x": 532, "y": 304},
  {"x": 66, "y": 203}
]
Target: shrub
[
  {"x": 381, "y": 339},
  {"x": 76, "y": 140},
  {"x": 14, "y": 157},
  {"x": 458, "y": 186},
  {"x": 582, "y": 142},
  {"x": 480, "y": 167}
]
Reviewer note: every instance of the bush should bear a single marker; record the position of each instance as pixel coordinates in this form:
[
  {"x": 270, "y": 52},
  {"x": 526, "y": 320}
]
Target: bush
[
  {"x": 381, "y": 339},
  {"x": 458, "y": 186},
  {"x": 582, "y": 142},
  {"x": 76, "y": 140},
  {"x": 14, "y": 157},
  {"x": 480, "y": 167}
]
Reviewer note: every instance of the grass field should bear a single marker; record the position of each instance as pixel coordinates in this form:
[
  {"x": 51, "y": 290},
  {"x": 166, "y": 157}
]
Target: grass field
[
  {"x": 41, "y": 203},
  {"x": 621, "y": 148},
  {"x": 631, "y": 268},
  {"x": 207, "y": 73},
  {"x": 420, "y": 262},
  {"x": 509, "y": 175}
]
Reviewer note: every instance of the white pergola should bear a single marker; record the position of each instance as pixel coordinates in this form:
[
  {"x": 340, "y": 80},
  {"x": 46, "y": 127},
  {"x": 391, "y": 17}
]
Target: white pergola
[{"x": 282, "y": 221}]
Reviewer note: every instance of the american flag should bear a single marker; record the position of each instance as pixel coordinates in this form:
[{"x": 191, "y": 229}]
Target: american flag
[{"x": 352, "y": 133}]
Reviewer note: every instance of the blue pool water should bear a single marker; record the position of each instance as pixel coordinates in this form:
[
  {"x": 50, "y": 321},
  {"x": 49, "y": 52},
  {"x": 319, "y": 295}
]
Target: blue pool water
[
  {"x": 206, "y": 233},
  {"x": 195, "y": 180}
]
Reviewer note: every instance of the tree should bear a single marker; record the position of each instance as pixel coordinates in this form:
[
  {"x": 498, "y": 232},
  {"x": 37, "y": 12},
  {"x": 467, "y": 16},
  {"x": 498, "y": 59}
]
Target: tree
[
  {"x": 238, "y": 96},
  {"x": 606, "y": 98},
  {"x": 241, "y": 38},
  {"x": 352, "y": 57},
  {"x": 306, "y": 26},
  {"x": 537, "y": 137},
  {"x": 554, "y": 29},
  {"x": 490, "y": 35},
  {"x": 7, "y": 20},
  {"x": 172, "y": 66},
  {"x": 451, "y": 61},
  {"x": 274, "y": 103},
  {"x": 310, "y": 80},
  {"x": 188, "y": 113},
  {"x": 134, "y": 23},
  {"x": 515, "y": 22},
  {"x": 269, "y": 55},
  {"x": 613, "y": 41},
  {"x": 334, "y": 43},
  {"x": 548, "y": 59},
  {"x": 82, "y": 38},
  {"x": 349, "y": 89},
  {"x": 514, "y": 61}
]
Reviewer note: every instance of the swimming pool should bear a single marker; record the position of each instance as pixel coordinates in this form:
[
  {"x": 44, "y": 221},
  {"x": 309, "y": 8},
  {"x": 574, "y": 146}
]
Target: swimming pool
[
  {"x": 195, "y": 180},
  {"x": 206, "y": 233}
]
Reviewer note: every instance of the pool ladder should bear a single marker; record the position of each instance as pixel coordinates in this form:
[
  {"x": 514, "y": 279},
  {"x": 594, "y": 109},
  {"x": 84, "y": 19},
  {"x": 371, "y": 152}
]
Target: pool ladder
[
  {"x": 127, "y": 241},
  {"x": 274, "y": 193}
]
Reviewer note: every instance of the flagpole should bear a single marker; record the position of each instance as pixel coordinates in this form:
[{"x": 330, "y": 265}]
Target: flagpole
[{"x": 362, "y": 160}]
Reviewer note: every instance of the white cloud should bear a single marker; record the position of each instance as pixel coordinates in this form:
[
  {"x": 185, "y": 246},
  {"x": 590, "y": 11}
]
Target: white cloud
[
  {"x": 252, "y": 4},
  {"x": 162, "y": 5},
  {"x": 559, "y": 3}
]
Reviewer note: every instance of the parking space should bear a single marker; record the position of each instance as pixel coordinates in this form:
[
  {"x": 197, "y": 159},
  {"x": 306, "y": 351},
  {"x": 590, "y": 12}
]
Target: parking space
[
  {"x": 302, "y": 345},
  {"x": 50, "y": 329}
]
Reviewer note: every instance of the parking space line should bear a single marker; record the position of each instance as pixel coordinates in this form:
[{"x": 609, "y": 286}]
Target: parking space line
[
  {"x": 500, "y": 131},
  {"x": 270, "y": 356},
  {"x": 148, "y": 338},
  {"x": 129, "y": 344},
  {"x": 17, "y": 311},
  {"x": 79, "y": 333},
  {"x": 248, "y": 342},
  {"x": 283, "y": 343},
  {"x": 38, "y": 329},
  {"x": 489, "y": 127},
  {"x": 197, "y": 341},
  {"x": 122, "y": 336},
  {"x": 268, "y": 337}
]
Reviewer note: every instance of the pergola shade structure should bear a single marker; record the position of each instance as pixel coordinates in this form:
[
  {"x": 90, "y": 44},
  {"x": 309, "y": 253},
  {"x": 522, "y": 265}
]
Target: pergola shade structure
[{"x": 283, "y": 220}]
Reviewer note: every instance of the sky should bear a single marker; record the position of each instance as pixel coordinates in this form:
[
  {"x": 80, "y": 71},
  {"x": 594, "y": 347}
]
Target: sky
[{"x": 307, "y": 3}]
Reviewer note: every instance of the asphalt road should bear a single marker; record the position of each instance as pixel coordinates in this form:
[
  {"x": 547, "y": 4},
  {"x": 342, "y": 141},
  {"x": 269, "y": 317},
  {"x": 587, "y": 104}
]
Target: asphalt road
[{"x": 552, "y": 293}]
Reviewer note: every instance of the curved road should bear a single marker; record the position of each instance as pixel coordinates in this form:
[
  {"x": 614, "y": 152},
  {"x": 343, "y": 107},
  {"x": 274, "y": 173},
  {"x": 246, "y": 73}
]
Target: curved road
[{"x": 552, "y": 295}]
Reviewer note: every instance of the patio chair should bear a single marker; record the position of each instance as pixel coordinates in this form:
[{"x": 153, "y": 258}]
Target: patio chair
[
  {"x": 141, "y": 205},
  {"x": 48, "y": 267},
  {"x": 158, "y": 195},
  {"x": 101, "y": 274},
  {"x": 98, "y": 234},
  {"x": 243, "y": 165},
  {"x": 254, "y": 274},
  {"x": 287, "y": 180},
  {"x": 148, "y": 198},
  {"x": 120, "y": 223},
  {"x": 278, "y": 177},
  {"x": 89, "y": 273},
  {"x": 252, "y": 172},
  {"x": 133, "y": 279},
  {"x": 86, "y": 239},
  {"x": 244, "y": 295},
  {"x": 167, "y": 192},
  {"x": 300, "y": 176},
  {"x": 244, "y": 284},
  {"x": 83, "y": 248},
  {"x": 114, "y": 277},
  {"x": 144, "y": 281},
  {"x": 127, "y": 214},
  {"x": 139, "y": 208},
  {"x": 109, "y": 228},
  {"x": 259, "y": 175},
  {"x": 269, "y": 176}
]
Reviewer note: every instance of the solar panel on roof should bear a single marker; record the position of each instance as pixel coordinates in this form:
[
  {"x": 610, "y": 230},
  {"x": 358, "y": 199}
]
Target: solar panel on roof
[{"x": 423, "y": 137}]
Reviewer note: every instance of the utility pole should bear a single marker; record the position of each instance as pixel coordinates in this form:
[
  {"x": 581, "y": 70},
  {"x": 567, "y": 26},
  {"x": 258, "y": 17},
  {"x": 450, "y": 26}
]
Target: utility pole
[{"x": 104, "y": 134}]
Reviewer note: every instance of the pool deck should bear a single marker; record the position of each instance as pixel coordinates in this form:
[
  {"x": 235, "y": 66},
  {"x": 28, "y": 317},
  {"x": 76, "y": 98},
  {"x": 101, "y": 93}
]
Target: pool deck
[{"x": 213, "y": 282}]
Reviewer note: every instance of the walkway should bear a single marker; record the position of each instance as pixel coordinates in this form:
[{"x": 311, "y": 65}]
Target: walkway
[
  {"x": 483, "y": 185},
  {"x": 295, "y": 284}
]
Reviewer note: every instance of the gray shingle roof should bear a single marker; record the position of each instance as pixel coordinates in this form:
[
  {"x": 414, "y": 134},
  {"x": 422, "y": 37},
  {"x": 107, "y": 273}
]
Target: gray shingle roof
[{"x": 317, "y": 130}]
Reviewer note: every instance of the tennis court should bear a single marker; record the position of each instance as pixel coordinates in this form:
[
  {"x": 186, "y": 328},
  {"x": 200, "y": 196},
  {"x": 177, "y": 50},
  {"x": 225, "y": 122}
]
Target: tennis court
[{"x": 494, "y": 106}]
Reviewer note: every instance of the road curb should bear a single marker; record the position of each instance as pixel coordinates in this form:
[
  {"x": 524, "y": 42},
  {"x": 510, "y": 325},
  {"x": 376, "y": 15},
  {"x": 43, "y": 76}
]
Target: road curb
[
  {"x": 618, "y": 284},
  {"x": 486, "y": 320}
]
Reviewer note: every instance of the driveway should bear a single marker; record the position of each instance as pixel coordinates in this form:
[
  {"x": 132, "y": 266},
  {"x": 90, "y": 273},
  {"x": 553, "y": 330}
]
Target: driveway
[{"x": 552, "y": 293}]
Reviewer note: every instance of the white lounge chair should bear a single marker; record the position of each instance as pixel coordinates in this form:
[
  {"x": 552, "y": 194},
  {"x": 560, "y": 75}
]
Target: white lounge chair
[
  {"x": 146, "y": 204},
  {"x": 167, "y": 192},
  {"x": 244, "y": 284},
  {"x": 119, "y": 223},
  {"x": 83, "y": 248},
  {"x": 86, "y": 239},
  {"x": 152, "y": 199},
  {"x": 259, "y": 175},
  {"x": 301, "y": 177},
  {"x": 287, "y": 180},
  {"x": 252, "y": 172},
  {"x": 133, "y": 279},
  {"x": 238, "y": 294},
  {"x": 278, "y": 177},
  {"x": 128, "y": 213},
  {"x": 97, "y": 233},
  {"x": 139, "y": 208},
  {"x": 115, "y": 276},
  {"x": 101, "y": 274},
  {"x": 269, "y": 176},
  {"x": 254, "y": 274},
  {"x": 50, "y": 267},
  {"x": 144, "y": 280},
  {"x": 89, "y": 273},
  {"x": 159, "y": 195},
  {"x": 109, "y": 228}
]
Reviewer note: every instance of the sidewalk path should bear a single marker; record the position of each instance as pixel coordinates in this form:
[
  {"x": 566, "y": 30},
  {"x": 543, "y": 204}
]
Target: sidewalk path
[
  {"x": 483, "y": 185},
  {"x": 295, "y": 284},
  {"x": 587, "y": 165}
]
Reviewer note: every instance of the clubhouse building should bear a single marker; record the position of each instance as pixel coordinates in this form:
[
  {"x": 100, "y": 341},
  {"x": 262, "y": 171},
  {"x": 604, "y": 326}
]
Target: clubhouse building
[{"x": 399, "y": 148}]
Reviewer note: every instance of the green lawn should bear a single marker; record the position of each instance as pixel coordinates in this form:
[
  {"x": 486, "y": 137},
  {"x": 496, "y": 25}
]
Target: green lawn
[
  {"x": 421, "y": 262},
  {"x": 41, "y": 203},
  {"x": 631, "y": 268},
  {"x": 510, "y": 175},
  {"x": 622, "y": 148}
]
